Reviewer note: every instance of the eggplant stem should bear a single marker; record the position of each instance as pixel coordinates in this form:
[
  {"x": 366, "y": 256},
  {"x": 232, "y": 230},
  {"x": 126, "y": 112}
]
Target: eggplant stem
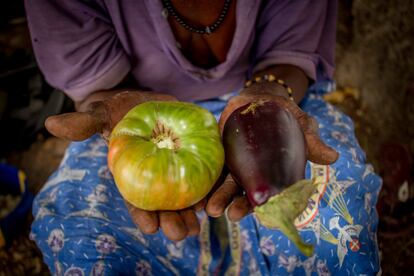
[{"x": 252, "y": 106}]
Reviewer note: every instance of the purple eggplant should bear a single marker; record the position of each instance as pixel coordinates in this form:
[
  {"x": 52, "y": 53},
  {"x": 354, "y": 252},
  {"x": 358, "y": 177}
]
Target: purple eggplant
[{"x": 266, "y": 153}]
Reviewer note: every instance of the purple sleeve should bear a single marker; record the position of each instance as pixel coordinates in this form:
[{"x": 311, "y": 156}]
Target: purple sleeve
[
  {"x": 297, "y": 32},
  {"x": 76, "y": 46}
]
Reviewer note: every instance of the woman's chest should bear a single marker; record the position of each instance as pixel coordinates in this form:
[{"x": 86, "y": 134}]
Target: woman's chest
[{"x": 210, "y": 48}]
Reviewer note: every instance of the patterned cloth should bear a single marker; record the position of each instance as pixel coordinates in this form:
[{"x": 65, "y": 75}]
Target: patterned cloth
[{"x": 83, "y": 228}]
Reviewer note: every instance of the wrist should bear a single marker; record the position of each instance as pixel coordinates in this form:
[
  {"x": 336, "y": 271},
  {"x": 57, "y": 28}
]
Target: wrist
[
  {"x": 265, "y": 88},
  {"x": 284, "y": 75}
]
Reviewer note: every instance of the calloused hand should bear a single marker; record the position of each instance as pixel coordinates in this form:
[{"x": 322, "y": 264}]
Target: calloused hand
[
  {"x": 176, "y": 225},
  {"x": 101, "y": 117},
  {"x": 230, "y": 195}
]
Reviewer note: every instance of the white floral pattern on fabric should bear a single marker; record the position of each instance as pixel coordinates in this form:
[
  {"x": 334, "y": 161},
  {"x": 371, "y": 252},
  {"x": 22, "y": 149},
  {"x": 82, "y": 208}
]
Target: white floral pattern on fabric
[
  {"x": 143, "y": 268},
  {"x": 56, "y": 240},
  {"x": 105, "y": 244},
  {"x": 98, "y": 269},
  {"x": 74, "y": 271},
  {"x": 267, "y": 246},
  {"x": 322, "y": 268}
]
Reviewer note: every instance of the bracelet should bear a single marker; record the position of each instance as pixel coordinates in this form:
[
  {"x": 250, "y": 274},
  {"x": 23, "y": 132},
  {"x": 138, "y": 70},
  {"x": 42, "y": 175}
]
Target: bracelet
[{"x": 271, "y": 78}]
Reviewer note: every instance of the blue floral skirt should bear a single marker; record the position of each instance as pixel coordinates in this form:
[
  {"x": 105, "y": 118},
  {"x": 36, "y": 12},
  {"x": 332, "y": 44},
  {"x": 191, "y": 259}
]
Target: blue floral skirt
[{"x": 82, "y": 225}]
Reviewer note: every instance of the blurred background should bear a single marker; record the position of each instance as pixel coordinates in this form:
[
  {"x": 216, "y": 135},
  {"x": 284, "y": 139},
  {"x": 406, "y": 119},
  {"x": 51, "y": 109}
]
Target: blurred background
[{"x": 375, "y": 86}]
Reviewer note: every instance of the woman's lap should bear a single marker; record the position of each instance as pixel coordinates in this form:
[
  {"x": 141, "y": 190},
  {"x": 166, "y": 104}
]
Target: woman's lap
[{"x": 82, "y": 225}]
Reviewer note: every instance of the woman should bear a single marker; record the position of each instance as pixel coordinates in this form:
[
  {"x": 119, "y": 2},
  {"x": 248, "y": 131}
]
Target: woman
[{"x": 201, "y": 51}]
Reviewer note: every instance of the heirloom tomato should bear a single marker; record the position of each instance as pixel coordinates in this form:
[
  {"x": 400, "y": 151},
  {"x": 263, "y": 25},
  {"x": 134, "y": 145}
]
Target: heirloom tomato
[{"x": 165, "y": 155}]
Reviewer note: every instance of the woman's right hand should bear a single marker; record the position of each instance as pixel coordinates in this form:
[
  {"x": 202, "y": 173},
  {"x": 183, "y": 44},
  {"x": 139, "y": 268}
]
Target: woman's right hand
[{"x": 99, "y": 114}]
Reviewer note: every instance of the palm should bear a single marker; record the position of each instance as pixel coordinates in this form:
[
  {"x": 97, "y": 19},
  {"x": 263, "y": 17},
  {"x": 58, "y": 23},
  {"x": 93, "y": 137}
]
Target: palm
[{"x": 101, "y": 117}]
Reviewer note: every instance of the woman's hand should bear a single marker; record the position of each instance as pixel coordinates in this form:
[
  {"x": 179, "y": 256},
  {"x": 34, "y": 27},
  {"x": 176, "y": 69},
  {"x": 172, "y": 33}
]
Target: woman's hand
[
  {"x": 229, "y": 195},
  {"x": 99, "y": 114},
  {"x": 176, "y": 225}
]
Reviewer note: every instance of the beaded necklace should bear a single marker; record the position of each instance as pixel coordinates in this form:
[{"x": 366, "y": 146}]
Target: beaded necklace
[{"x": 170, "y": 10}]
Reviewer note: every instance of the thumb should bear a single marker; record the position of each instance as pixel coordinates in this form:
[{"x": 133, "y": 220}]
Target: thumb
[
  {"x": 318, "y": 152},
  {"x": 75, "y": 126}
]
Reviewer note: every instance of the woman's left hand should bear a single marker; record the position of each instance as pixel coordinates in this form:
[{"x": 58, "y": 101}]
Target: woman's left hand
[{"x": 229, "y": 194}]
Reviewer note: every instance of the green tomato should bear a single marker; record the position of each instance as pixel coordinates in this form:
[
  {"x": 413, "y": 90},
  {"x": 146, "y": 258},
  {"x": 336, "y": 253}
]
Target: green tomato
[{"x": 165, "y": 155}]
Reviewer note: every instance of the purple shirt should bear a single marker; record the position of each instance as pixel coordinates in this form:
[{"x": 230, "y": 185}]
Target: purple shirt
[{"x": 84, "y": 46}]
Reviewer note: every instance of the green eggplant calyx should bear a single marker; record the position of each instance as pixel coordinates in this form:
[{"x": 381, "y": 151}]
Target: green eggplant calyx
[
  {"x": 281, "y": 210},
  {"x": 164, "y": 137}
]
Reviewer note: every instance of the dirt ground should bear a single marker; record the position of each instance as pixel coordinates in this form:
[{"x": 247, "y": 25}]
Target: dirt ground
[{"x": 375, "y": 80}]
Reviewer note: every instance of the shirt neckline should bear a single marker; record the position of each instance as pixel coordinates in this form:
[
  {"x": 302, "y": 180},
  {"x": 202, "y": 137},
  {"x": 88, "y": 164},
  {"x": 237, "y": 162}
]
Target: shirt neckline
[{"x": 246, "y": 12}]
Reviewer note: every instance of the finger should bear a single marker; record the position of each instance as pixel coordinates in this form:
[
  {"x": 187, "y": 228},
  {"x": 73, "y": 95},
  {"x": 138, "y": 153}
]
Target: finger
[
  {"x": 239, "y": 208},
  {"x": 146, "y": 221},
  {"x": 200, "y": 205},
  {"x": 318, "y": 151},
  {"x": 75, "y": 126},
  {"x": 173, "y": 225},
  {"x": 190, "y": 221},
  {"x": 222, "y": 197}
]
